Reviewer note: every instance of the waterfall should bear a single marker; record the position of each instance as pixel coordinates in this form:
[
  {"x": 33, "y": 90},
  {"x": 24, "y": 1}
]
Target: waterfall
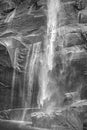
[
  {"x": 53, "y": 9},
  {"x": 14, "y": 76},
  {"x": 31, "y": 65},
  {"x": 47, "y": 58}
]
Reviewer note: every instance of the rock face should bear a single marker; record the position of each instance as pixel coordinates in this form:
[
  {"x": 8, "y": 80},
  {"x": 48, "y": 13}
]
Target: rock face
[
  {"x": 22, "y": 29},
  {"x": 61, "y": 121}
]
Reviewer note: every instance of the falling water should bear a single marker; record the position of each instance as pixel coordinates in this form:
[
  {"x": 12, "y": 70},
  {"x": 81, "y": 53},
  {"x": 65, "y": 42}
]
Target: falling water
[
  {"x": 31, "y": 66},
  {"x": 30, "y": 82},
  {"x": 14, "y": 76},
  {"x": 24, "y": 103},
  {"x": 47, "y": 64},
  {"x": 53, "y": 8}
]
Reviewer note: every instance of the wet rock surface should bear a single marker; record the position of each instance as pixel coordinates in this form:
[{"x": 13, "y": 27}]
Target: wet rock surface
[
  {"x": 35, "y": 118},
  {"x": 57, "y": 120}
]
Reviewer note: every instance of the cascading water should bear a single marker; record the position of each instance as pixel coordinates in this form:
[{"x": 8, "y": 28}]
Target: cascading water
[
  {"x": 47, "y": 63},
  {"x": 53, "y": 9},
  {"x": 14, "y": 76},
  {"x": 31, "y": 66}
]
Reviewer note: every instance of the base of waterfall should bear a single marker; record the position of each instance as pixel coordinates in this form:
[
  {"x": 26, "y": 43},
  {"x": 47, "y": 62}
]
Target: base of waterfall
[{"x": 36, "y": 119}]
